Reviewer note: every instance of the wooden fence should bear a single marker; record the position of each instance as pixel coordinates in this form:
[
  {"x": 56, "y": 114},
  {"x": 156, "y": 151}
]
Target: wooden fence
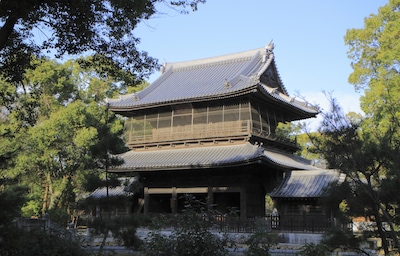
[
  {"x": 307, "y": 223},
  {"x": 270, "y": 223}
]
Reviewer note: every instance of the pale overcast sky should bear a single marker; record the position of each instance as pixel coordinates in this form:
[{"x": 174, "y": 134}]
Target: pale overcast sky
[{"x": 308, "y": 35}]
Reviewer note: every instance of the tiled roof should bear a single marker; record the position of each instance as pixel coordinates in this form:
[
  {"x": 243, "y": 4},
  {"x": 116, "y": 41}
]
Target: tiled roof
[
  {"x": 210, "y": 78},
  {"x": 122, "y": 190},
  {"x": 206, "y": 157},
  {"x": 307, "y": 183},
  {"x": 112, "y": 192},
  {"x": 288, "y": 161}
]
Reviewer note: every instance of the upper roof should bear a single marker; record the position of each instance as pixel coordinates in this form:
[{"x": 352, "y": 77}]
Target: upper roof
[
  {"x": 307, "y": 183},
  {"x": 208, "y": 157},
  {"x": 214, "y": 78}
]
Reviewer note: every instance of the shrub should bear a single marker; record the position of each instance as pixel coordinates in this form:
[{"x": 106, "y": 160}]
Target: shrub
[
  {"x": 20, "y": 242},
  {"x": 260, "y": 242},
  {"x": 312, "y": 249},
  {"x": 190, "y": 237}
]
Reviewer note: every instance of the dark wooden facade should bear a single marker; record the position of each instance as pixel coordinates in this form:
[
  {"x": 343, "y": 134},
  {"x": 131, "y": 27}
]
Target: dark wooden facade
[
  {"x": 203, "y": 128},
  {"x": 297, "y": 199},
  {"x": 230, "y": 119}
]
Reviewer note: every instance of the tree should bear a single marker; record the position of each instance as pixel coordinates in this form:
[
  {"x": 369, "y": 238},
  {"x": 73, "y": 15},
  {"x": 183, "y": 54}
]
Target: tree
[
  {"x": 298, "y": 132},
  {"x": 105, "y": 29},
  {"x": 375, "y": 54},
  {"x": 67, "y": 134},
  {"x": 71, "y": 140},
  {"x": 347, "y": 145}
]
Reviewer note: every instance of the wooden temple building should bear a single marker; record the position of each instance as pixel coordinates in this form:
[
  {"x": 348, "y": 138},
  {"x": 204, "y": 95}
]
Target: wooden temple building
[{"x": 207, "y": 127}]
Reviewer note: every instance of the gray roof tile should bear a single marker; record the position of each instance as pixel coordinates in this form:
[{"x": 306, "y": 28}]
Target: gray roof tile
[
  {"x": 208, "y": 156},
  {"x": 206, "y": 78},
  {"x": 307, "y": 183},
  {"x": 122, "y": 190}
]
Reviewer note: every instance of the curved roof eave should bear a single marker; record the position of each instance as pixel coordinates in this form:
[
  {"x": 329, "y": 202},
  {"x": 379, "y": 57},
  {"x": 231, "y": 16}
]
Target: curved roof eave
[
  {"x": 275, "y": 95},
  {"x": 201, "y": 98},
  {"x": 208, "y": 157},
  {"x": 307, "y": 183}
]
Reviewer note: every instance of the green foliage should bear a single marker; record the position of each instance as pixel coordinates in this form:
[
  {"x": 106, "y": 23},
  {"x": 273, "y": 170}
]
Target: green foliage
[
  {"x": 32, "y": 208},
  {"x": 298, "y": 132},
  {"x": 22, "y": 242},
  {"x": 54, "y": 134},
  {"x": 122, "y": 228},
  {"x": 61, "y": 146},
  {"x": 59, "y": 216},
  {"x": 370, "y": 147},
  {"x": 11, "y": 201},
  {"x": 187, "y": 241},
  {"x": 105, "y": 28},
  {"x": 287, "y": 130},
  {"x": 369, "y": 164},
  {"x": 14, "y": 241},
  {"x": 312, "y": 249},
  {"x": 373, "y": 49},
  {"x": 191, "y": 235},
  {"x": 260, "y": 242},
  {"x": 159, "y": 245},
  {"x": 341, "y": 239}
]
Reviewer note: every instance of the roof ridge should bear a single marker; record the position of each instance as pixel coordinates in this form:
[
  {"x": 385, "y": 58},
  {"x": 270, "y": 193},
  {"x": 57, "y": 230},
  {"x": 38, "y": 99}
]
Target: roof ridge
[
  {"x": 227, "y": 58},
  {"x": 210, "y": 64}
]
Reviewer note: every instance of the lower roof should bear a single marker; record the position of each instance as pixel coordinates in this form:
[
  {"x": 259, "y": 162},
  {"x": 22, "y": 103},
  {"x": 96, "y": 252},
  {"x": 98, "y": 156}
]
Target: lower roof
[
  {"x": 208, "y": 157},
  {"x": 123, "y": 190},
  {"x": 307, "y": 183}
]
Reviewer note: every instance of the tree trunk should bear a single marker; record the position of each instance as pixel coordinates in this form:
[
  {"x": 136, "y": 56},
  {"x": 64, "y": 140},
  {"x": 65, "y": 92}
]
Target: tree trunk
[
  {"x": 390, "y": 223},
  {"x": 381, "y": 231},
  {"x": 45, "y": 198},
  {"x": 60, "y": 193},
  {"x": 46, "y": 195},
  {"x": 103, "y": 242}
]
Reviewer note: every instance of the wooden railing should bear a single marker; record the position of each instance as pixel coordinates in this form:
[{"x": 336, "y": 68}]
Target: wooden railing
[
  {"x": 295, "y": 224},
  {"x": 192, "y": 132},
  {"x": 269, "y": 223},
  {"x": 229, "y": 129}
]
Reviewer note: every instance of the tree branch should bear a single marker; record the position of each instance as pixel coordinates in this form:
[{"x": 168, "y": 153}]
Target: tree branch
[{"x": 6, "y": 30}]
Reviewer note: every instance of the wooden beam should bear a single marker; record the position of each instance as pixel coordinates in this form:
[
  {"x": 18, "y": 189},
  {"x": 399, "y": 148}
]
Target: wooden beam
[
  {"x": 146, "y": 200},
  {"x": 194, "y": 190},
  {"x": 243, "y": 204},
  {"x": 174, "y": 201}
]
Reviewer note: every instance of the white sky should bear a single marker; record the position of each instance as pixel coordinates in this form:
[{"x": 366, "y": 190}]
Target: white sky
[{"x": 308, "y": 35}]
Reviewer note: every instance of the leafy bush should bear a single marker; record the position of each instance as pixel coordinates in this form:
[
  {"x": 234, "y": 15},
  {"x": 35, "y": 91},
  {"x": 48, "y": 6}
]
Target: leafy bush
[
  {"x": 124, "y": 229},
  {"x": 11, "y": 201},
  {"x": 190, "y": 237},
  {"x": 20, "y": 242},
  {"x": 337, "y": 238},
  {"x": 188, "y": 241},
  {"x": 312, "y": 249},
  {"x": 260, "y": 242}
]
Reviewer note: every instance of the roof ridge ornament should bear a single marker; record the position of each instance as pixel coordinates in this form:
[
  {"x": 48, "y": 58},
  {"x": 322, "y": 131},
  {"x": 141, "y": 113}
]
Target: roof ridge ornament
[
  {"x": 227, "y": 84},
  {"x": 269, "y": 49},
  {"x": 163, "y": 67},
  {"x": 135, "y": 96}
]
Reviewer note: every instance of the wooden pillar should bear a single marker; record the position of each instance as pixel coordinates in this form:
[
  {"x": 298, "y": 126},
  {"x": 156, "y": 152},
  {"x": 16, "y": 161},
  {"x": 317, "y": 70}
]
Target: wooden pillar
[
  {"x": 210, "y": 196},
  {"x": 174, "y": 201},
  {"x": 146, "y": 200},
  {"x": 243, "y": 203}
]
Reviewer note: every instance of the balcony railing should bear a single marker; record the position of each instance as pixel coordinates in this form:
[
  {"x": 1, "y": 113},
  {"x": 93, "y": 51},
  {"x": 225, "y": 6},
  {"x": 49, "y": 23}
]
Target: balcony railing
[{"x": 227, "y": 129}]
